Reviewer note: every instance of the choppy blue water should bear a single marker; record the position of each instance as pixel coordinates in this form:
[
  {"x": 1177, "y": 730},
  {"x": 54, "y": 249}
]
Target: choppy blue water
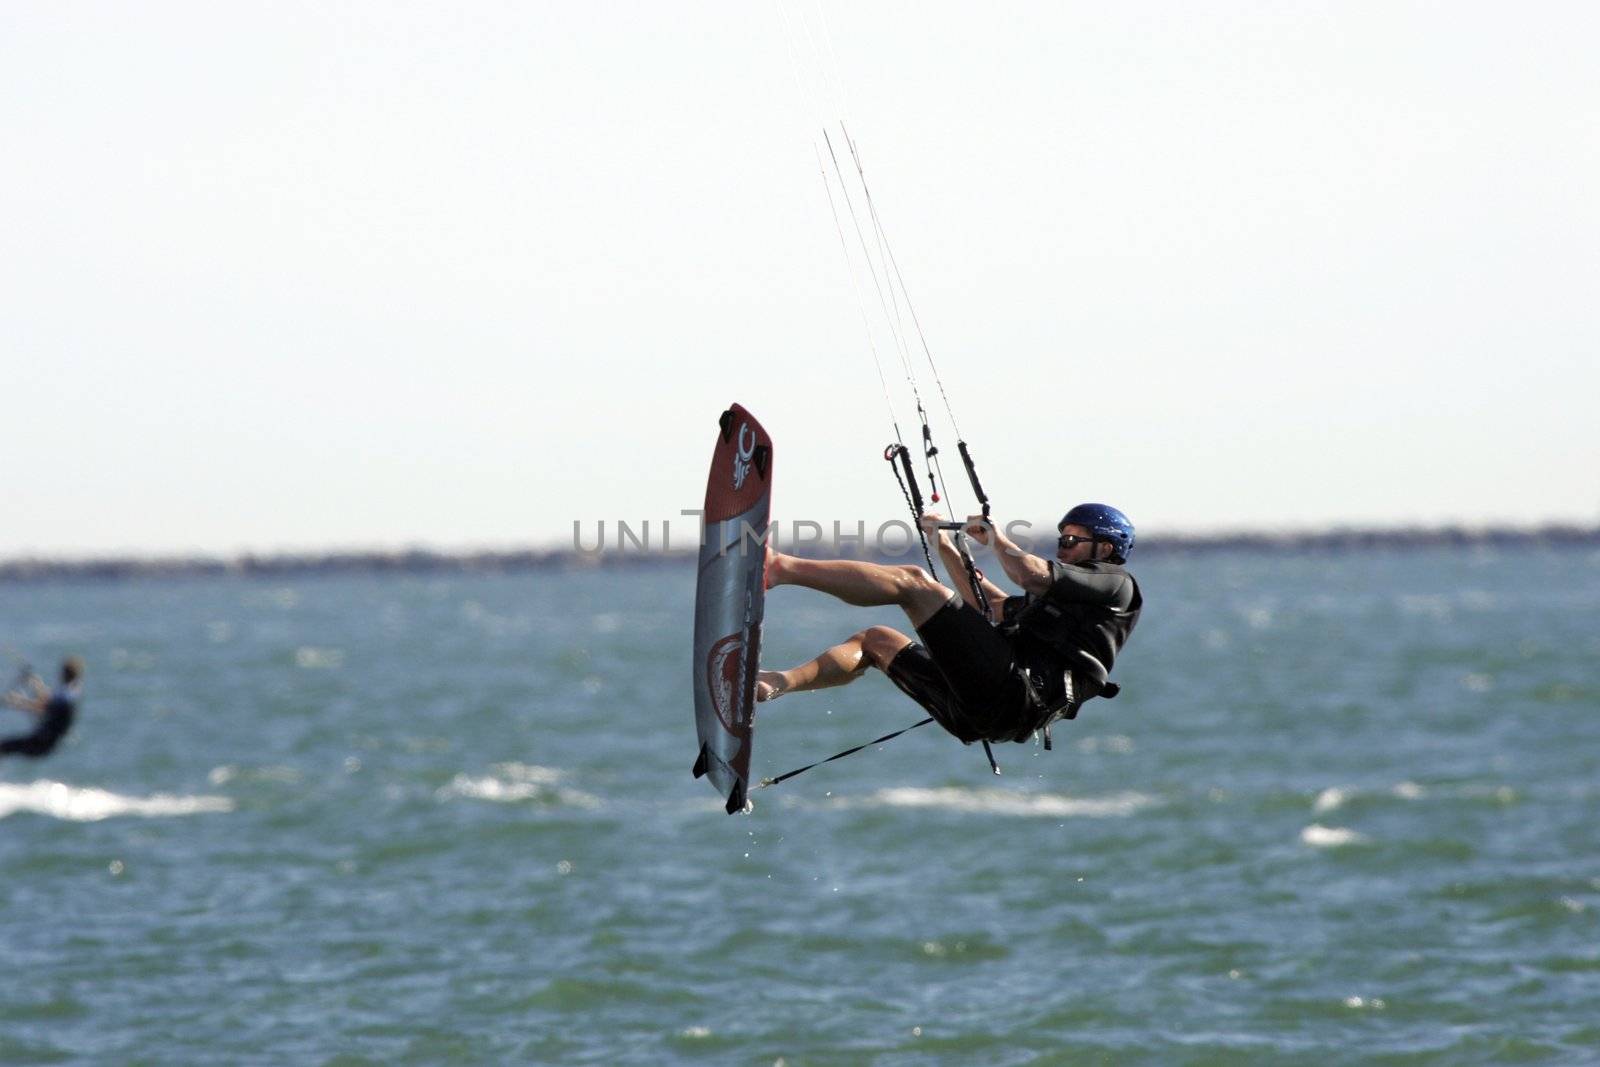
[{"x": 1345, "y": 811}]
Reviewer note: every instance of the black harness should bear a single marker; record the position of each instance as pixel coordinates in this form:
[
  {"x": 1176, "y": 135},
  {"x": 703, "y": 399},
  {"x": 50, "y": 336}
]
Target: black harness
[
  {"x": 1046, "y": 708},
  {"x": 1081, "y": 676}
]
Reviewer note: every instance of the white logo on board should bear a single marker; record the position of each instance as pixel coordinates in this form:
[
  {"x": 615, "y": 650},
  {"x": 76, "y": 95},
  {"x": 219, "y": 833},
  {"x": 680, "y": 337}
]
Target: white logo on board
[{"x": 741, "y": 458}]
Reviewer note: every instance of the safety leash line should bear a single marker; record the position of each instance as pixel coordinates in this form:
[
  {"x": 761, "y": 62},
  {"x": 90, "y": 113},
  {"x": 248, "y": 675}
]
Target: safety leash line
[{"x": 841, "y": 755}]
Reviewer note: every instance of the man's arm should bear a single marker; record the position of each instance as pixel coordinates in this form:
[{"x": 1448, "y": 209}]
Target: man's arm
[
  {"x": 1031, "y": 572},
  {"x": 957, "y": 569},
  {"x": 17, "y": 700}
]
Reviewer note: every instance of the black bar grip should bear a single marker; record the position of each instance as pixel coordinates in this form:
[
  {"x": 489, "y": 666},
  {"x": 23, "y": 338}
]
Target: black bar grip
[{"x": 972, "y": 476}]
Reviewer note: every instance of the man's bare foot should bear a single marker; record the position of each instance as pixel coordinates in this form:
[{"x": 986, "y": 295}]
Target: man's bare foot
[{"x": 770, "y": 685}]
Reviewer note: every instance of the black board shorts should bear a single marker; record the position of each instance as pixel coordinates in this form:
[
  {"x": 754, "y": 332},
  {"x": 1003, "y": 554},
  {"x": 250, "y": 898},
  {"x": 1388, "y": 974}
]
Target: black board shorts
[
  {"x": 966, "y": 676},
  {"x": 34, "y": 745},
  {"x": 51, "y": 729}
]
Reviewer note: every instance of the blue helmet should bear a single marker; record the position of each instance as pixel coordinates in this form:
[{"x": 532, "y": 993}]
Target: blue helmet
[{"x": 1107, "y": 524}]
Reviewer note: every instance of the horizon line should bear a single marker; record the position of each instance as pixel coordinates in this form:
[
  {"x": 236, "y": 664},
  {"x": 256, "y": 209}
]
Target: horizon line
[
  {"x": 1191, "y": 537},
  {"x": 420, "y": 557}
]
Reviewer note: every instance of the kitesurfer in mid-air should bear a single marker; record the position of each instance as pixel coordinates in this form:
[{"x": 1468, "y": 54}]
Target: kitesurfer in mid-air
[
  {"x": 1042, "y": 655},
  {"x": 53, "y": 708}
]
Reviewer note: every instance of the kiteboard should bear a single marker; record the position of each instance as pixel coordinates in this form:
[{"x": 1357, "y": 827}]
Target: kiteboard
[{"x": 730, "y": 596}]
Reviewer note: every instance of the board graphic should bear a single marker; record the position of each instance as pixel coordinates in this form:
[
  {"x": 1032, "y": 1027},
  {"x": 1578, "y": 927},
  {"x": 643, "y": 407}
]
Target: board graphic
[{"x": 730, "y": 596}]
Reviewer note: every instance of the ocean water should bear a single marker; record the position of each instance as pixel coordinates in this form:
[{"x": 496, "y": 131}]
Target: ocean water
[{"x": 1345, "y": 811}]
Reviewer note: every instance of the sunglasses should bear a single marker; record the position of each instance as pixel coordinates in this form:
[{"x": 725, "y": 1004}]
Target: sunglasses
[{"x": 1068, "y": 540}]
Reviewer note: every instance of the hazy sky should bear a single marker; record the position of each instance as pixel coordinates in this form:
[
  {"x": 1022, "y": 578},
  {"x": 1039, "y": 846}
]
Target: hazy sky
[{"x": 376, "y": 274}]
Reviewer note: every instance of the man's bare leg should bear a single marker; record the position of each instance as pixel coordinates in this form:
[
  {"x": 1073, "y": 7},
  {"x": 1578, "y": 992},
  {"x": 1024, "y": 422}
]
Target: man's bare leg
[
  {"x": 866, "y": 585},
  {"x": 839, "y": 665}
]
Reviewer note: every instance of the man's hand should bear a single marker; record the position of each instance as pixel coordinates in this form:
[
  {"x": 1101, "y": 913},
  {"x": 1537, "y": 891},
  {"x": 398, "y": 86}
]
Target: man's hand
[
  {"x": 21, "y": 702},
  {"x": 978, "y": 528},
  {"x": 930, "y": 522}
]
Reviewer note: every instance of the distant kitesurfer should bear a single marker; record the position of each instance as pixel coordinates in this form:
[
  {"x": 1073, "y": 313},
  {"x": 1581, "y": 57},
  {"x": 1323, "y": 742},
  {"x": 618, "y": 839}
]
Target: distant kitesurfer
[
  {"x": 54, "y": 709},
  {"x": 1043, "y": 654}
]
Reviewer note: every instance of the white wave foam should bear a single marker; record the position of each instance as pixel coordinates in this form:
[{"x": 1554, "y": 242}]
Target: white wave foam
[
  {"x": 1002, "y": 802},
  {"x": 1501, "y": 794},
  {"x": 79, "y": 804},
  {"x": 514, "y": 782},
  {"x": 1329, "y": 800},
  {"x": 1333, "y": 798},
  {"x": 311, "y": 658},
  {"x": 230, "y": 772},
  {"x": 1119, "y": 743},
  {"x": 529, "y": 772},
  {"x": 1318, "y": 836}
]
